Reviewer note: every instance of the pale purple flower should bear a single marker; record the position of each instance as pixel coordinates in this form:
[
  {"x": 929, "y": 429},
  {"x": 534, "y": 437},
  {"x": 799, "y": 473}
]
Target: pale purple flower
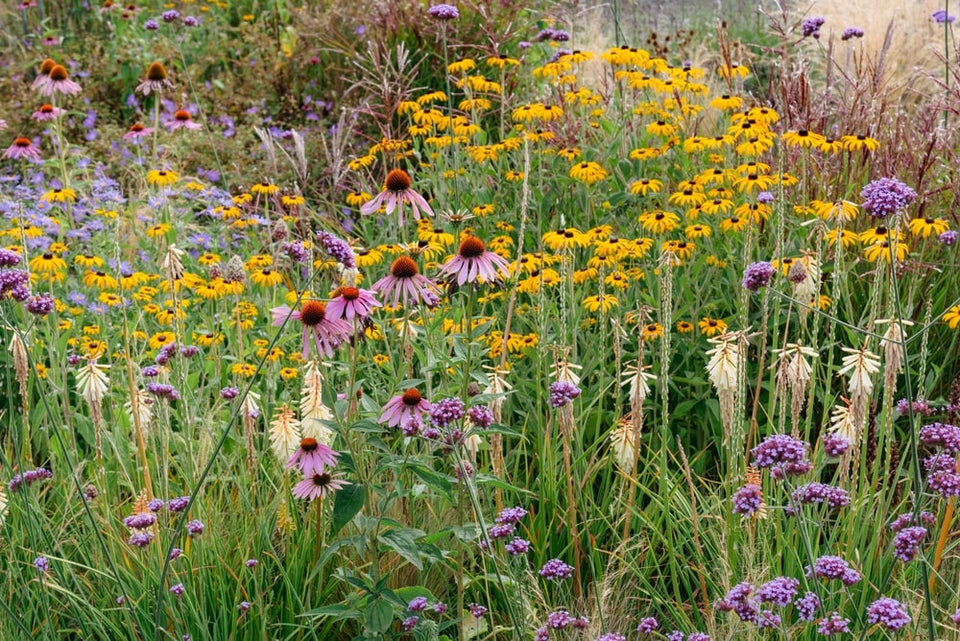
[
  {"x": 647, "y": 625},
  {"x": 327, "y": 333},
  {"x": 562, "y": 393},
  {"x": 779, "y": 449},
  {"x": 555, "y": 570},
  {"x": 907, "y": 542},
  {"x": 243, "y": 606},
  {"x": 480, "y": 416},
  {"x": 312, "y": 456},
  {"x": 177, "y": 590},
  {"x": 473, "y": 262},
  {"x": 42, "y": 564},
  {"x": 834, "y": 497},
  {"x": 909, "y": 518},
  {"x": 940, "y": 16},
  {"x": 949, "y": 237},
  {"x": 338, "y": 249},
  {"x": 410, "y": 623},
  {"x": 395, "y": 193},
  {"x": 833, "y": 567},
  {"x": 807, "y": 606},
  {"x": 352, "y": 303},
  {"x": 22, "y": 148},
  {"x": 851, "y": 32},
  {"x": 835, "y": 445},
  {"x": 779, "y": 591},
  {"x": 476, "y": 611},
  {"x": 182, "y": 120},
  {"x": 195, "y": 527},
  {"x": 417, "y": 604},
  {"x": 319, "y": 486},
  {"x": 406, "y": 286},
  {"x": 811, "y": 26},
  {"x": 407, "y": 406},
  {"x": 833, "y": 624},
  {"x": 757, "y": 275},
  {"x": 446, "y": 411},
  {"x": 517, "y": 546},
  {"x": 748, "y": 499},
  {"x": 443, "y": 12},
  {"x": 59, "y": 82}
]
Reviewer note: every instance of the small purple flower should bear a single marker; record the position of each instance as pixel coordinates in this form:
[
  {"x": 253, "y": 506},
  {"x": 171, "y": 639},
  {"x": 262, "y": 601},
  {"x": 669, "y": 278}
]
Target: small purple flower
[
  {"x": 501, "y": 530},
  {"x": 834, "y": 445},
  {"x": 779, "y": 591},
  {"x": 779, "y": 449},
  {"x": 480, "y": 416},
  {"x": 440, "y": 607},
  {"x": 562, "y": 392},
  {"x": 748, "y": 499},
  {"x": 757, "y": 275},
  {"x": 559, "y": 619},
  {"x": 834, "y": 497},
  {"x": 151, "y": 25},
  {"x": 41, "y": 304},
  {"x": 476, "y": 611},
  {"x": 243, "y": 606},
  {"x": 889, "y": 613},
  {"x": 28, "y": 478},
  {"x": 155, "y": 505},
  {"x": 175, "y": 554},
  {"x": 955, "y": 617},
  {"x": 555, "y": 570},
  {"x": 150, "y": 371},
  {"x": 676, "y": 635},
  {"x": 410, "y": 623},
  {"x": 765, "y": 198},
  {"x": 193, "y": 21},
  {"x": 907, "y": 519},
  {"x": 647, "y": 625},
  {"x": 949, "y": 237},
  {"x": 140, "y": 538},
  {"x": 907, "y": 542},
  {"x": 140, "y": 521},
  {"x": 177, "y": 590},
  {"x": 698, "y": 636},
  {"x": 171, "y": 15},
  {"x": 418, "y": 604},
  {"x": 195, "y": 527},
  {"x": 178, "y": 504},
  {"x": 443, "y": 12},
  {"x": 940, "y": 16},
  {"x": 42, "y": 564},
  {"x": 944, "y": 483},
  {"x": 229, "y": 393},
  {"x": 807, "y": 606},
  {"x": 611, "y": 636},
  {"x": 9, "y": 258},
  {"x": 811, "y": 26},
  {"x": 833, "y": 567},
  {"x": 446, "y": 411},
  {"x": 851, "y": 32},
  {"x": 252, "y": 563},
  {"x": 941, "y": 435},
  {"x": 833, "y": 624},
  {"x": 338, "y": 249},
  {"x": 517, "y": 546},
  {"x": 511, "y": 515},
  {"x": 886, "y": 196}
]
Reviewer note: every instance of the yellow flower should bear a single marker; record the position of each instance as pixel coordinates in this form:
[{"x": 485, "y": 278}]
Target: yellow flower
[
  {"x": 952, "y": 317},
  {"x": 514, "y": 176},
  {"x": 855, "y": 143},
  {"x": 461, "y": 66},
  {"x": 710, "y": 327},
  {"x": 567, "y": 238},
  {"x": 266, "y": 277},
  {"x": 727, "y": 102},
  {"x": 734, "y": 224},
  {"x": 876, "y": 235},
  {"x": 659, "y": 222},
  {"x": 645, "y": 185},
  {"x": 923, "y": 227},
  {"x": 752, "y": 182},
  {"x": 64, "y": 195},
  {"x": 208, "y": 259},
  {"x": 847, "y": 237},
  {"x": 206, "y": 339},
  {"x": 881, "y": 251},
  {"x": 161, "y": 177},
  {"x": 569, "y": 153},
  {"x": 651, "y": 331},
  {"x": 606, "y": 303},
  {"x": 87, "y": 260},
  {"x": 803, "y": 138},
  {"x": 661, "y": 128},
  {"x": 697, "y": 231},
  {"x": 41, "y": 370},
  {"x": 588, "y": 172},
  {"x": 501, "y": 61},
  {"x": 245, "y": 370},
  {"x": 100, "y": 280},
  {"x": 617, "y": 280},
  {"x": 717, "y": 206},
  {"x": 842, "y": 210},
  {"x": 160, "y": 339},
  {"x": 47, "y": 263},
  {"x": 292, "y": 201},
  {"x": 684, "y": 327},
  {"x": 733, "y": 69},
  {"x": 110, "y": 299},
  {"x": 157, "y": 230},
  {"x": 644, "y": 153}
]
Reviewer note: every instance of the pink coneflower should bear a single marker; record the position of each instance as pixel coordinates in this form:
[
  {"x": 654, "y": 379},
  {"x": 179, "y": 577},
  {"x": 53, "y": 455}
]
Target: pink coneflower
[
  {"x": 406, "y": 285},
  {"x": 328, "y": 333},
  {"x": 319, "y": 486},
  {"x": 396, "y": 191},
  {"x": 351, "y": 303},
  {"x": 137, "y": 131},
  {"x": 59, "y": 82},
  {"x": 156, "y": 80},
  {"x": 22, "y": 148},
  {"x": 473, "y": 261},
  {"x": 404, "y": 408},
  {"x": 311, "y": 457},
  {"x": 182, "y": 120},
  {"x": 47, "y": 112},
  {"x": 43, "y": 78}
]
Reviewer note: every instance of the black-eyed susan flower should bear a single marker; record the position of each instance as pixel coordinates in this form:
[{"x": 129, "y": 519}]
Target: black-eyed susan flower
[
  {"x": 752, "y": 182},
  {"x": 876, "y": 235},
  {"x": 564, "y": 239},
  {"x": 658, "y": 221},
  {"x": 733, "y": 224},
  {"x": 162, "y": 177},
  {"x": 569, "y": 153},
  {"x": 838, "y": 210},
  {"x": 847, "y": 237},
  {"x": 207, "y": 339},
  {"x": 684, "y": 327},
  {"x": 603, "y": 303},
  {"x": 651, "y": 331},
  {"x": 99, "y": 279},
  {"x": 482, "y": 210},
  {"x": 856, "y": 143},
  {"x": 661, "y": 128},
  {"x": 266, "y": 277},
  {"x": 924, "y": 227},
  {"x": 644, "y": 153},
  {"x": 645, "y": 186},
  {"x": 726, "y": 102},
  {"x": 264, "y": 189},
  {"x": 160, "y": 339},
  {"x": 47, "y": 263},
  {"x": 59, "y": 195},
  {"x": 617, "y": 280},
  {"x": 716, "y": 206},
  {"x": 952, "y": 317},
  {"x": 884, "y": 252},
  {"x": 157, "y": 231},
  {"x": 802, "y": 138},
  {"x": 710, "y": 327},
  {"x": 697, "y": 231}
]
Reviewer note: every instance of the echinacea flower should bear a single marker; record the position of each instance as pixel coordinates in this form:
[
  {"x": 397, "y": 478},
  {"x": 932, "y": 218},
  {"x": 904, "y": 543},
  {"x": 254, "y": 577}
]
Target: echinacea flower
[
  {"x": 22, "y": 148},
  {"x": 43, "y": 78},
  {"x": 406, "y": 285},
  {"x": 47, "y": 112},
  {"x": 319, "y": 486},
  {"x": 327, "y": 333},
  {"x": 156, "y": 80},
  {"x": 472, "y": 262},
  {"x": 311, "y": 457},
  {"x": 404, "y": 408},
  {"x": 352, "y": 303},
  {"x": 59, "y": 82},
  {"x": 182, "y": 120},
  {"x": 137, "y": 131},
  {"x": 396, "y": 192}
]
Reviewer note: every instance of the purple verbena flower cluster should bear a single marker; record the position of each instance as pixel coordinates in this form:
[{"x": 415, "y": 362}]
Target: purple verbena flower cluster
[
  {"x": 886, "y": 196},
  {"x": 443, "y": 12},
  {"x": 748, "y": 499},
  {"x": 446, "y": 411},
  {"x": 810, "y": 27},
  {"x": 556, "y": 35},
  {"x": 28, "y": 478},
  {"x": 338, "y": 248},
  {"x": 907, "y": 542},
  {"x": 647, "y": 625},
  {"x": 757, "y": 275},
  {"x": 833, "y": 567},
  {"x": 833, "y": 624},
  {"x": 835, "y": 445},
  {"x": 785, "y": 454},
  {"x": 940, "y": 16},
  {"x": 834, "y": 497},
  {"x": 556, "y": 570},
  {"x": 562, "y": 392},
  {"x": 889, "y": 613},
  {"x": 851, "y": 32}
]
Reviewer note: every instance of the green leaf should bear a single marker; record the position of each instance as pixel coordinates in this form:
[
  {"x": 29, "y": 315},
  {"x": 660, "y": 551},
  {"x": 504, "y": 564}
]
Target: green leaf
[
  {"x": 348, "y": 502},
  {"x": 434, "y": 479},
  {"x": 338, "y": 610},
  {"x": 378, "y": 616},
  {"x": 403, "y": 542}
]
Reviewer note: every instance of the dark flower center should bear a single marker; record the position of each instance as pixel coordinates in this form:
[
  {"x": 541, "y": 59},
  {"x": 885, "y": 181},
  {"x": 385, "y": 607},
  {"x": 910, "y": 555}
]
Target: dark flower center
[
  {"x": 350, "y": 293},
  {"x": 803, "y": 133},
  {"x": 398, "y": 180},
  {"x": 22, "y": 142},
  {"x": 156, "y": 72},
  {"x": 47, "y": 66},
  {"x": 322, "y": 480},
  {"x": 46, "y": 109},
  {"x": 137, "y": 128},
  {"x": 411, "y": 397},
  {"x": 404, "y": 267},
  {"x": 58, "y": 73},
  {"x": 309, "y": 444},
  {"x": 182, "y": 115},
  {"x": 472, "y": 247},
  {"x": 312, "y": 312}
]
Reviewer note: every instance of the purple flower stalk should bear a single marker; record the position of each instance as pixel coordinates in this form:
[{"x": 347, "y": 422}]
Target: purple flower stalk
[
  {"x": 807, "y": 606},
  {"x": 338, "y": 249},
  {"x": 835, "y": 497},
  {"x": 562, "y": 393},
  {"x": 748, "y": 499},
  {"x": 907, "y": 542},
  {"x": 851, "y": 32},
  {"x": 555, "y": 570},
  {"x": 443, "y": 12},
  {"x": 834, "y": 624},
  {"x": 889, "y": 613},
  {"x": 779, "y": 449},
  {"x": 757, "y": 275},
  {"x": 647, "y": 625},
  {"x": 446, "y": 411},
  {"x": 517, "y": 546},
  {"x": 811, "y": 26},
  {"x": 834, "y": 445},
  {"x": 779, "y": 591}
]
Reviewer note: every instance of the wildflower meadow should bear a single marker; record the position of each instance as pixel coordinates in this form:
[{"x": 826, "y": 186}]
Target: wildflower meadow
[{"x": 495, "y": 320}]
